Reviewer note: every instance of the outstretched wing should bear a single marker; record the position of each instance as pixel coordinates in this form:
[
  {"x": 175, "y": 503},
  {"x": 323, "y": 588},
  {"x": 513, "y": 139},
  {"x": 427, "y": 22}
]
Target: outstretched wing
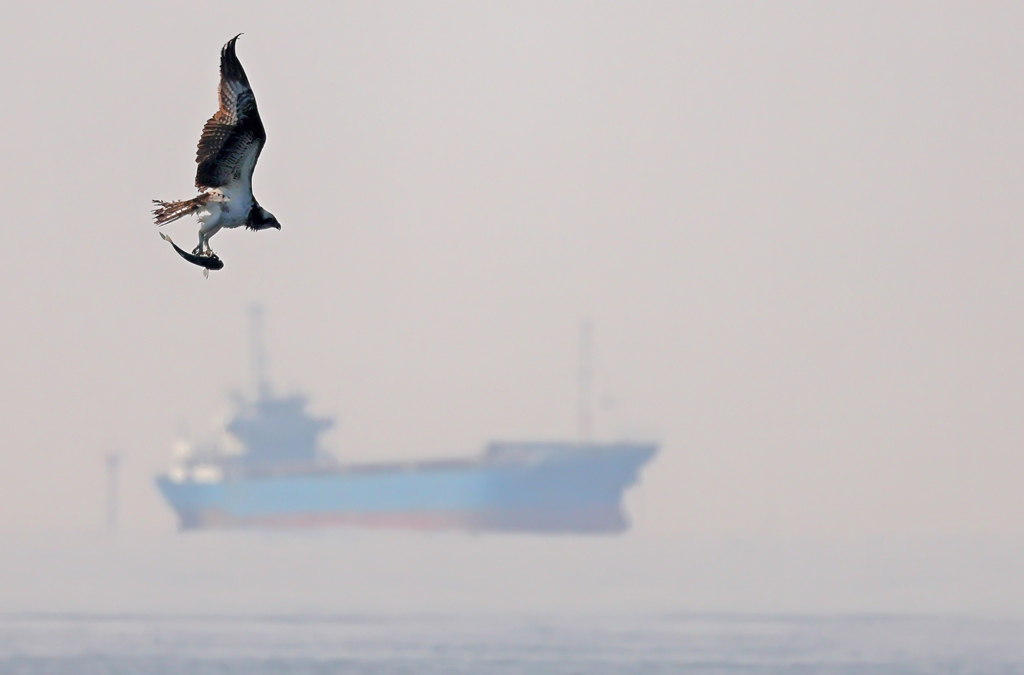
[{"x": 233, "y": 137}]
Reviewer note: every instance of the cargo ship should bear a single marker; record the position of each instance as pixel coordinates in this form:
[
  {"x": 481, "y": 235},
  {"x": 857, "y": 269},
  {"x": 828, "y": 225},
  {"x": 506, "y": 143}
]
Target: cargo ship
[{"x": 273, "y": 474}]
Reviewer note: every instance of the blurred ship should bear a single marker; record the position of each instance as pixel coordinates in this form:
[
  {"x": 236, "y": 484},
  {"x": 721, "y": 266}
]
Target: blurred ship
[{"x": 272, "y": 473}]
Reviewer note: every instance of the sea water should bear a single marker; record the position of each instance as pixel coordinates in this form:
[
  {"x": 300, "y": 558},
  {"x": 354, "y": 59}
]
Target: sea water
[
  {"x": 351, "y": 602},
  {"x": 83, "y": 644}
]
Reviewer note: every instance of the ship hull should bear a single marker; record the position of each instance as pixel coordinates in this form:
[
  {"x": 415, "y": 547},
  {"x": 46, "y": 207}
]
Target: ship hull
[{"x": 548, "y": 489}]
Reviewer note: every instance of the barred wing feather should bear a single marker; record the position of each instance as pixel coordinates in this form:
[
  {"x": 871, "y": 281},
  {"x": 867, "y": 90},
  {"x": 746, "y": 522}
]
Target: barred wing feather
[{"x": 233, "y": 138}]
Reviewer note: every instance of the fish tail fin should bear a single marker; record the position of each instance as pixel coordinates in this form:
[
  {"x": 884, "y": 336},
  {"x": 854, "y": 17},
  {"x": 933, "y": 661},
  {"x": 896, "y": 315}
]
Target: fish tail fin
[{"x": 168, "y": 212}]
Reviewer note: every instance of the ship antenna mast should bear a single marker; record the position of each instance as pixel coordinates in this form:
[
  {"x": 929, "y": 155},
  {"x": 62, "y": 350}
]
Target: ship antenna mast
[
  {"x": 585, "y": 380},
  {"x": 113, "y": 463},
  {"x": 257, "y": 352}
]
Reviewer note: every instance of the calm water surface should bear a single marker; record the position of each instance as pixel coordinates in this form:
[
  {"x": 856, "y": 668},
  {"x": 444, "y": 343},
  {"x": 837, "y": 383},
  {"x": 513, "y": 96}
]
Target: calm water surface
[{"x": 160, "y": 645}]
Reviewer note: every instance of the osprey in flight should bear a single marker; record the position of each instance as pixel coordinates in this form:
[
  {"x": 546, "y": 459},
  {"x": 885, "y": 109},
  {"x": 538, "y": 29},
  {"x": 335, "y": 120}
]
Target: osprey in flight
[{"x": 227, "y": 154}]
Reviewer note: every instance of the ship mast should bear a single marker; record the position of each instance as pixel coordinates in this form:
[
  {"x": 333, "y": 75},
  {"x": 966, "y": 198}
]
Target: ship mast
[
  {"x": 585, "y": 380},
  {"x": 113, "y": 463},
  {"x": 257, "y": 352}
]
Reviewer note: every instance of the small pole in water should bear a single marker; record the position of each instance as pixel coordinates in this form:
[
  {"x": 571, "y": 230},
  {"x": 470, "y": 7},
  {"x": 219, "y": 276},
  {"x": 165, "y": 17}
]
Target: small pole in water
[
  {"x": 586, "y": 420},
  {"x": 113, "y": 461}
]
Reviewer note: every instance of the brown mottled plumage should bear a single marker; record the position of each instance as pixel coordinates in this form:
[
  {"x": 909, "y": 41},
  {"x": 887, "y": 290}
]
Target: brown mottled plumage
[{"x": 168, "y": 212}]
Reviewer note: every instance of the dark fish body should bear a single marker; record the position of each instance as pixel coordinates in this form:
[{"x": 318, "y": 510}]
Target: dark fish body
[{"x": 210, "y": 262}]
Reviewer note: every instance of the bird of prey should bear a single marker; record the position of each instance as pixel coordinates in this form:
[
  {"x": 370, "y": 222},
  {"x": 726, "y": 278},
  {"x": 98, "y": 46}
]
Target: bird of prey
[{"x": 230, "y": 145}]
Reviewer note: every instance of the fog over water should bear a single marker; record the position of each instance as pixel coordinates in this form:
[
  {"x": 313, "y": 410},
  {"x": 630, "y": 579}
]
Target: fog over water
[{"x": 796, "y": 228}]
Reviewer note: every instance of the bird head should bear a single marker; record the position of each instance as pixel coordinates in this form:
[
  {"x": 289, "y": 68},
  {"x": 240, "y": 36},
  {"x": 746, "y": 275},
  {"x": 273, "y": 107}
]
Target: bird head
[{"x": 261, "y": 219}]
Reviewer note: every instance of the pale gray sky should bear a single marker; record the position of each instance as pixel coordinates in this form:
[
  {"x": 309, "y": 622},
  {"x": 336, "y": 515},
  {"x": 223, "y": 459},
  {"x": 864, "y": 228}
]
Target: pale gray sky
[{"x": 796, "y": 226}]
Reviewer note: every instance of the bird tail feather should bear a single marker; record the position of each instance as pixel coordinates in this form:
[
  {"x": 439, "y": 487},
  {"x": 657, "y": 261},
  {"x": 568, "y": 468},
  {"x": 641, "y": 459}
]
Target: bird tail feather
[{"x": 168, "y": 212}]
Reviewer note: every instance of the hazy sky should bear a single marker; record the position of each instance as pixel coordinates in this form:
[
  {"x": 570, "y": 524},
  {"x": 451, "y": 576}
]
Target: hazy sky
[{"x": 796, "y": 227}]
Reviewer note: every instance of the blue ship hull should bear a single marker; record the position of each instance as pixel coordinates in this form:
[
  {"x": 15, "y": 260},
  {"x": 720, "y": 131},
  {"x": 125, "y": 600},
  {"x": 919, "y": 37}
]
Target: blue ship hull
[{"x": 529, "y": 487}]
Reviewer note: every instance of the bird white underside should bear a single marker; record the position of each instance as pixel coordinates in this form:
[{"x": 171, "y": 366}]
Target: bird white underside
[{"x": 229, "y": 205}]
